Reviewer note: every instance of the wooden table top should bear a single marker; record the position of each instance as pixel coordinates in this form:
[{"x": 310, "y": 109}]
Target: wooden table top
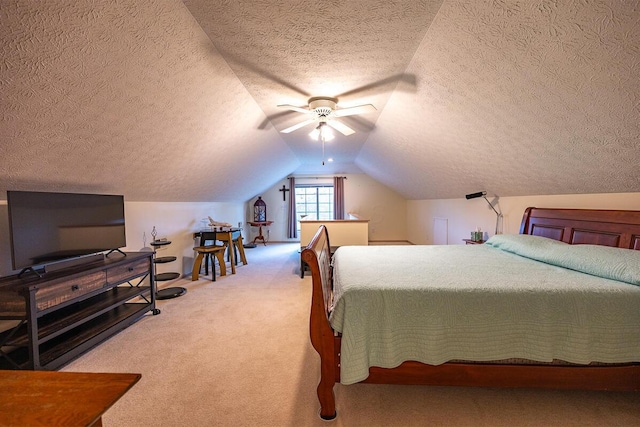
[
  {"x": 45, "y": 398},
  {"x": 259, "y": 223}
]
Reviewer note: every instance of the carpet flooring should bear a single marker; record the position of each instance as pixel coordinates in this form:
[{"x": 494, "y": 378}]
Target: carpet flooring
[{"x": 236, "y": 352}]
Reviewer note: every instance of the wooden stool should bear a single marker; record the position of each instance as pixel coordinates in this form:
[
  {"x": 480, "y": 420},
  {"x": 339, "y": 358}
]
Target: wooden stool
[
  {"x": 208, "y": 251},
  {"x": 227, "y": 239}
]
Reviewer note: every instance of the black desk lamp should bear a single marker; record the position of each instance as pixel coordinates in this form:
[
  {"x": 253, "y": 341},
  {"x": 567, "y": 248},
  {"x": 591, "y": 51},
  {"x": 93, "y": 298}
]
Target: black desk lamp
[{"x": 483, "y": 194}]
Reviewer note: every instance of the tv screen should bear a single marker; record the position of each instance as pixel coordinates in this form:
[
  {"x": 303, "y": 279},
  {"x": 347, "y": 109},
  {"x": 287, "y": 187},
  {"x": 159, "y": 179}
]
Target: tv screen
[{"x": 49, "y": 227}]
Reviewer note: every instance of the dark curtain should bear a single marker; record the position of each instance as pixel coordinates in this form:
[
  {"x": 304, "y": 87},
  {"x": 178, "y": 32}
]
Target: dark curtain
[
  {"x": 292, "y": 232},
  {"x": 338, "y": 197}
]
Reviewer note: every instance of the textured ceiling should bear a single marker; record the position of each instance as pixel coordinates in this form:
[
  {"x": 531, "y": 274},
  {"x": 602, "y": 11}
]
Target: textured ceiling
[
  {"x": 517, "y": 98},
  {"x": 127, "y": 97},
  {"x": 176, "y": 101},
  {"x": 285, "y": 52}
]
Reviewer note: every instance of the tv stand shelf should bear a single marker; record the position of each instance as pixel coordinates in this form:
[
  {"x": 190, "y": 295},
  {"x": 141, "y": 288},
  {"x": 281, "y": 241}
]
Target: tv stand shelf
[{"x": 69, "y": 311}]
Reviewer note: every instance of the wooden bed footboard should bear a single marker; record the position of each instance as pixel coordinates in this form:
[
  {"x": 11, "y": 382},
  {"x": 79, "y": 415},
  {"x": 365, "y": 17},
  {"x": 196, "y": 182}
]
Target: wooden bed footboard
[
  {"x": 601, "y": 227},
  {"x": 317, "y": 255}
]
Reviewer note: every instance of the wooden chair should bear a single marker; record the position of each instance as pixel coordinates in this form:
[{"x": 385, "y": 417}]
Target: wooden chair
[{"x": 209, "y": 252}]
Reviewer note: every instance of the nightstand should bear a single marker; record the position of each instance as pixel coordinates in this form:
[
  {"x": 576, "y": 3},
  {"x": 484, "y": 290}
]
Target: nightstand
[{"x": 473, "y": 242}]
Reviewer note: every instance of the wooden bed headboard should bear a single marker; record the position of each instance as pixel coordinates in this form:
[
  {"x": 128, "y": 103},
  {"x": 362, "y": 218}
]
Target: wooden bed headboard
[{"x": 584, "y": 226}]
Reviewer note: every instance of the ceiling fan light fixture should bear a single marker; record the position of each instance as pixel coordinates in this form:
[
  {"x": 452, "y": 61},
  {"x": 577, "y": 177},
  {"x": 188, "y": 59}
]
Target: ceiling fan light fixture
[
  {"x": 326, "y": 133},
  {"x": 322, "y": 132}
]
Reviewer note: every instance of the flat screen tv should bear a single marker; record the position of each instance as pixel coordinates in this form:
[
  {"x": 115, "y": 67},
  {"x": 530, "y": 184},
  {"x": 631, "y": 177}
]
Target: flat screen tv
[{"x": 49, "y": 227}]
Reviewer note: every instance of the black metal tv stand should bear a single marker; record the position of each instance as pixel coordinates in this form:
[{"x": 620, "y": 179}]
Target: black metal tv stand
[
  {"x": 31, "y": 269},
  {"x": 68, "y": 311},
  {"x": 115, "y": 250}
]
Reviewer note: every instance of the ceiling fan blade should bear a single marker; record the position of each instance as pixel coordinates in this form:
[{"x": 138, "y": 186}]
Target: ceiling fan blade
[
  {"x": 341, "y": 127},
  {"x": 294, "y": 108},
  {"x": 298, "y": 126},
  {"x": 350, "y": 111}
]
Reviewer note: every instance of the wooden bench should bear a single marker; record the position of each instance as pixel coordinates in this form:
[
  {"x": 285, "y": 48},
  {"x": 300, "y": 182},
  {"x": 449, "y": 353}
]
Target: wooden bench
[{"x": 209, "y": 251}]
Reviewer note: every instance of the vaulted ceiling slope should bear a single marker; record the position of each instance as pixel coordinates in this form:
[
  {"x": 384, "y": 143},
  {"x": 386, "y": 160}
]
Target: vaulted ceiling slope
[
  {"x": 175, "y": 100},
  {"x": 127, "y": 97}
]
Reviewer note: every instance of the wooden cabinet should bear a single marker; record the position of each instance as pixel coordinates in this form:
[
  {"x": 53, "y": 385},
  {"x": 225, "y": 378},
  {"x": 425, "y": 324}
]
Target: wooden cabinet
[{"x": 55, "y": 318}]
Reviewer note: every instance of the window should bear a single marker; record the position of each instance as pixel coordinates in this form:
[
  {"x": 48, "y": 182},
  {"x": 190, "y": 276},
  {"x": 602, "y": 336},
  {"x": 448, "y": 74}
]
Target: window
[{"x": 314, "y": 202}]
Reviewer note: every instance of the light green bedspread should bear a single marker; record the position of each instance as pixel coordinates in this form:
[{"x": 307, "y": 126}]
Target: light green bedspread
[{"x": 433, "y": 304}]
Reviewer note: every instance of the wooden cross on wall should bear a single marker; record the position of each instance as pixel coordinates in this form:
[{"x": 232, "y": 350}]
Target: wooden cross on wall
[{"x": 284, "y": 193}]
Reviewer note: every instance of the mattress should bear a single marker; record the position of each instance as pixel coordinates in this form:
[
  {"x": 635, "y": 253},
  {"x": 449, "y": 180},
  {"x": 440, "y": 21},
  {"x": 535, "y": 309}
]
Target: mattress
[{"x": 434, "y": 304}]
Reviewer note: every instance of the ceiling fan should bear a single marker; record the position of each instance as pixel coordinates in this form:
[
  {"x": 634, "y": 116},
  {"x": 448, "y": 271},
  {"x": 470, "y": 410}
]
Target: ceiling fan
[{"x": 324, "y": 110}]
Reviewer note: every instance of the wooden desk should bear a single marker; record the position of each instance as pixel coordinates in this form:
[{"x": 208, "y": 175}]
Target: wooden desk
[
  {"x": 69, "y": 399},
  {"x": 259, "y": 225}
]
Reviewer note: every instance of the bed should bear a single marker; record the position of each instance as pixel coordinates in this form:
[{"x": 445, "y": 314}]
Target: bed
[{"x": 573, "y": 325}]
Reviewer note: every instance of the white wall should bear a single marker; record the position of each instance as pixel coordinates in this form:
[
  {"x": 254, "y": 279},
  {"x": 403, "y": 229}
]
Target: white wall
[
  {"x": 175, "y": 221},
  {"x": 463, "y": 216},
  {"x": 276, "y": 212},
  {"x": 393, "y": 217},
  {"x": 342, "y": 232},
  {"x": 386, "y": 209}
]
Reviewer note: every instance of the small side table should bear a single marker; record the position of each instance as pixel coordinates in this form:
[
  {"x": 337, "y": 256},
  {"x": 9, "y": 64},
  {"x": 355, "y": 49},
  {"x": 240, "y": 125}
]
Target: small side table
[
  {"x": 473, "y": 242},
  {"x": 259, "y": 225}
]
